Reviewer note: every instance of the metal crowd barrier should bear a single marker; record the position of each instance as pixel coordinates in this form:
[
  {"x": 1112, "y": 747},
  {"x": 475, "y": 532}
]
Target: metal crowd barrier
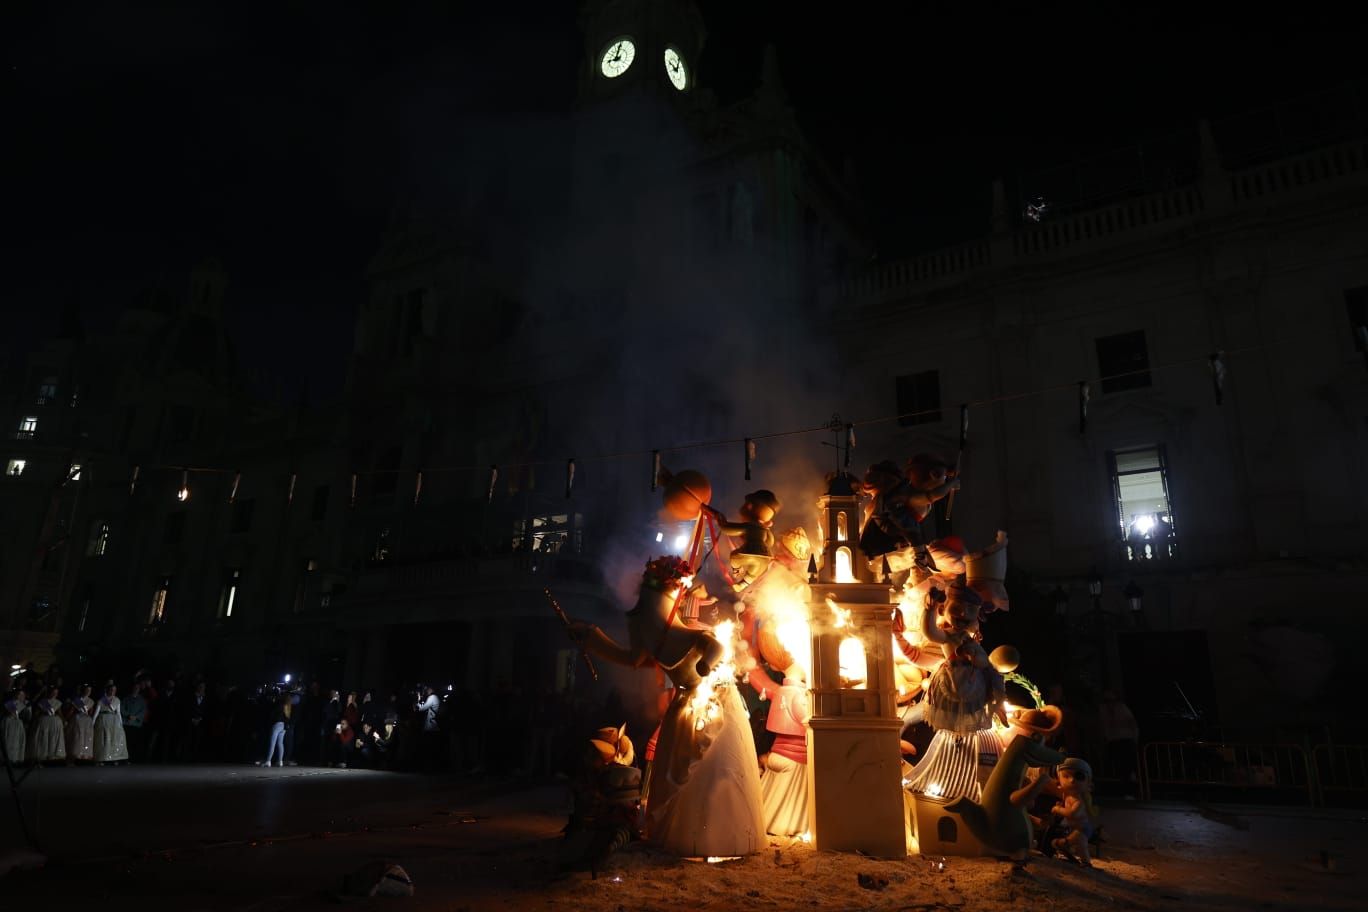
[
  {"x": 1340, "y": 768},
  {"x": 1268, "y": 767}
]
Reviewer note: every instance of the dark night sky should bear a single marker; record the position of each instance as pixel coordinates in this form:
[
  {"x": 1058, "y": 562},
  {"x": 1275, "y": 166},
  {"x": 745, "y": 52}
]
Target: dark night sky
[{"x": 278, "y": 136}]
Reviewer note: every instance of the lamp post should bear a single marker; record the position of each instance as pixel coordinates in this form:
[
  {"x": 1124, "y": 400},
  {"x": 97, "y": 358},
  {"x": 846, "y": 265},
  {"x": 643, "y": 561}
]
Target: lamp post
[
  {"x": 1135, "y": 596},
  {"x": 1099, "y": 618}
]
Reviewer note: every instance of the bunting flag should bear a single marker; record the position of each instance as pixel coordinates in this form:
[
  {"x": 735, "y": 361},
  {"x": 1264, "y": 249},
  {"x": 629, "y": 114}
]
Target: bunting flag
[
  {"x": 655, "y": 469},
  {"x": 133, "y": 482},
  {"x": 417, "y": 486},
  {"x": 493, "y": 477},
  {"x": 1084, "y": 394},
  {"x": 352, "y": 503},
  {"x": 184, "y": 493},
  {"x": 232, "y": 492},
  {"x": 750, "y": 456},
  {"x": 569, "y": 477},
  {"x": 850, "y": 442},
  {"x": 289, "y": 495},
  {"x": 1218, "y": 374}
]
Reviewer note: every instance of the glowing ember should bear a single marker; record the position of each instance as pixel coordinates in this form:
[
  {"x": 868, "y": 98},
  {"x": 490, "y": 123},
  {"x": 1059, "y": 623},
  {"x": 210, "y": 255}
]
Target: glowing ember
[{"x": 714, "y": 859}]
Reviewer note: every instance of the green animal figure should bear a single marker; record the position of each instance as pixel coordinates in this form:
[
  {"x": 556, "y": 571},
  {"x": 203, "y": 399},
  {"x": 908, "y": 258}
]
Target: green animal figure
[{"x": 1000, "y": 821}]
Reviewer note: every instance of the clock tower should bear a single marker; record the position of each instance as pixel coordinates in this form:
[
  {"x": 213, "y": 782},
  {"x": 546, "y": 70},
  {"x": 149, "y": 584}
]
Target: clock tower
[{"x": 648, "y": 46}]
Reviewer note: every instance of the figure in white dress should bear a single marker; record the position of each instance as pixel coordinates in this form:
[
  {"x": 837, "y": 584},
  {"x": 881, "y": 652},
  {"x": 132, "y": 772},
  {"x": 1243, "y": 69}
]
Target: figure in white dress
[
  {"x": 46, "y": 741},
  {"x": 12, "y": 728},
  {"x": 110, "y": 744},
  {"x": 704, "y": 785},
  {"x": 80, "y": 727},
  {"x": 784, "y": 784}
]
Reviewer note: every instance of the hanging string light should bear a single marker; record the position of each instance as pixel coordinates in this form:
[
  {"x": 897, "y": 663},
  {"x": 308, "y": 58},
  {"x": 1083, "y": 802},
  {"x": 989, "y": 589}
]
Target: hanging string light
[
  {"x": 569, "y": 476},
  {"x": 184, "y": 493},
  {"x": 1084, "y": 394},
  {"x": 1218, "y": 374},
  {"x": 850, "y": 442},
  {"x": 493, "y": 477},
  {"x": 133, "y": 482},
  {"x": 352, "y": 502},
  {"x": 750, "y": 456},
  {"x": 417, "y": 486},
  {"x": 232, "y": 492},
  {"x": 655, "y": 469},
  {"x": 289, "y": 495}
]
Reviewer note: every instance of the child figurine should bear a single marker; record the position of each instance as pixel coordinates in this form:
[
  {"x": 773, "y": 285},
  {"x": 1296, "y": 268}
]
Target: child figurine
[
  {"x": 1077, "y": 810},
  {"x": 752, "y": 554},
  {"x": 784, "y": 782},
  {"x": 607, "y": 811}
]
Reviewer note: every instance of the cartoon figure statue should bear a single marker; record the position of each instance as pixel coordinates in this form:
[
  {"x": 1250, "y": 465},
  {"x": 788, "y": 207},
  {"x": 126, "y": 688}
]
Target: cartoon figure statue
[
  {"x": 899, "y": 501},
  {"x": 607, "y": 809},
  {"x": 703, "y": 786},
  {"x": 784, "y": 782},
  {"x": 754, "y": 549},
  {"x": 964, "y": 694},
  {"x": 986, "y": 570},
  {"x": 999, "y": 820},
  {"x": 1077, "y": 810}
]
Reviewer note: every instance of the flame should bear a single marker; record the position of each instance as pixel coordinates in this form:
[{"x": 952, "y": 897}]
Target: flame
[
  {"x": 840, "y": 616},
  {"x": 706, "y": 703},
  {"x": 844, "y": 573},
  {"x": 851, "y": 657},
  {"x": 788, "y": 615}
]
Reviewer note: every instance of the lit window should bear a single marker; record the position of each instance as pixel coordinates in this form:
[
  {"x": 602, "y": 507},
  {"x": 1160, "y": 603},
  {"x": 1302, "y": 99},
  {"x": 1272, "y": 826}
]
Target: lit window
[
  {"x": 1143, "y": 512},
  {"x": 99, "y": 540},
  {"x": 16, "y": 467},
  {"x": 28, "y": 426},
  {"x": 228, "y": 597},
  {"x": 1123, "y": 362},
  {"x": 158, "y": 613},
  {"x": 919, "y": 398}
]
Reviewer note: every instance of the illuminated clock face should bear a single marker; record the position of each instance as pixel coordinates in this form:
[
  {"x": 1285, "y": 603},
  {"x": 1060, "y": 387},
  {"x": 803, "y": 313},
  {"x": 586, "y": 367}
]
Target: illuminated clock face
[
  {"x": 675, "y": 69},
  {"x": 618, "y": 57}
]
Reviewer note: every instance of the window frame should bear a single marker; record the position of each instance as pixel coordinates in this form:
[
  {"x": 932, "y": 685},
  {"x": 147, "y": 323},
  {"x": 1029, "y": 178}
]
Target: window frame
[{"x": 1120, "y": 525}]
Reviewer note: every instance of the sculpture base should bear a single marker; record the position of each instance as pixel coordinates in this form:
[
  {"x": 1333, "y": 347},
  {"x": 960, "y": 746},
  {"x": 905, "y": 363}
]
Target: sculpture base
[
  {"x": 942, "y": 832},
  {"x": 856, "y": 802}
]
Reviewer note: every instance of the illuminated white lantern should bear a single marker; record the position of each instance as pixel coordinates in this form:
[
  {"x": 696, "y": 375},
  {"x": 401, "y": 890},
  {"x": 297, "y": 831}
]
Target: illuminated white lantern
[{"x": 856, "y": 799}]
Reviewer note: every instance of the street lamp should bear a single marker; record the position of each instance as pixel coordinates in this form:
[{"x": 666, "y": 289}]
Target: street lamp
[
  {"x": 1061, "y": 600},
  {"x": 1135, "y": 596}
]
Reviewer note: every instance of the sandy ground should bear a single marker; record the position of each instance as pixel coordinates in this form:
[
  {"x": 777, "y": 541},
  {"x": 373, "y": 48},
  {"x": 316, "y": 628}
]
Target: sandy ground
[{"x": 477, "y": 846}]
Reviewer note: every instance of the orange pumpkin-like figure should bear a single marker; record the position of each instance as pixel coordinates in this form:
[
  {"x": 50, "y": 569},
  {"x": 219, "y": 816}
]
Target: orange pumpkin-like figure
[{"x": 685, "y": 494}]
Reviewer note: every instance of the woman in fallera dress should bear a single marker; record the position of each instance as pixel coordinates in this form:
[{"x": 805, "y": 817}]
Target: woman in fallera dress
[
  {"x": 111, "y": 746},
  {"x": 12, "y": 728},
  {"x": 80, "y": 727},
  {"x": 46, "y": 740}
]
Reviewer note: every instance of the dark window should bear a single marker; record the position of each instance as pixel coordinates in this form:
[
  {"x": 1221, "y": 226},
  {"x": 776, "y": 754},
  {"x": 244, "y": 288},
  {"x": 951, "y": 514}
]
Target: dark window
[
  {"x": 320, "y": 503},
  {"x": 174, "y": 528},
  {"x": 1123, "y": 362},
  {"x": 242, "y": 517},
  {"x": 919, "y": 398},
  {"x": 387, "y": 472},
  {"x": 1356, "y": 307}
]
